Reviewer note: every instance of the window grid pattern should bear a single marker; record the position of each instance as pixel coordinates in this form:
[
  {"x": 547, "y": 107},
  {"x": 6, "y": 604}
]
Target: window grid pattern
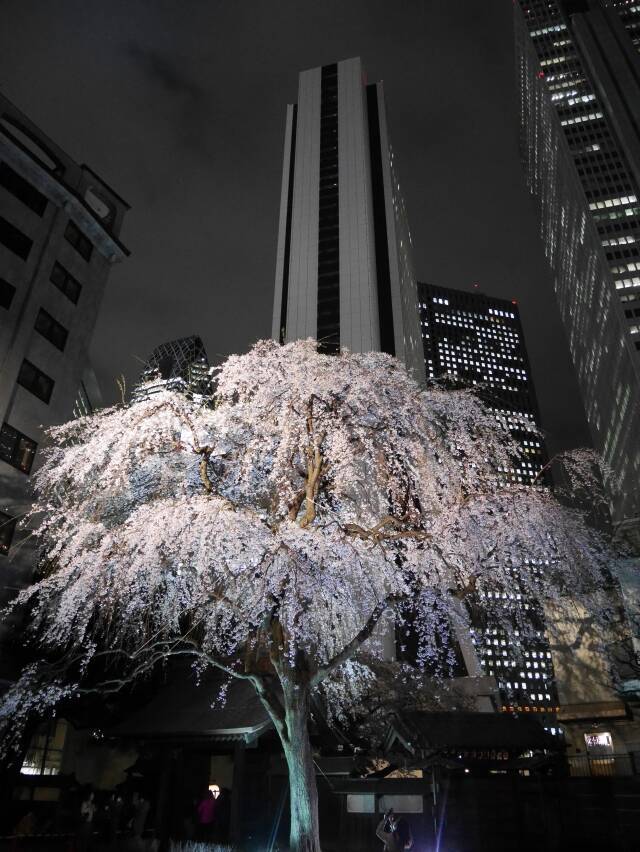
[
  {"x": 572, "y": 237},
  {"x": 601, "y": 165},
  {"x": 479, "y": 340}
]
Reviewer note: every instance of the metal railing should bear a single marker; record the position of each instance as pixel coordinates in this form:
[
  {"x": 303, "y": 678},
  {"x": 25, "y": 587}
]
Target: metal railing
[{"x": 604, "y": 766}]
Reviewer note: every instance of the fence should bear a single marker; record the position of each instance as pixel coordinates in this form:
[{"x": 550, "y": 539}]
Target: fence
[{"x": 604, "y": 766}]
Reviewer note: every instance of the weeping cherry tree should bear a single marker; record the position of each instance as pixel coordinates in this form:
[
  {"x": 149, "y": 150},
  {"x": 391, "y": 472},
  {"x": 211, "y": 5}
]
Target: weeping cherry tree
[{"x": 270, "y": 534}]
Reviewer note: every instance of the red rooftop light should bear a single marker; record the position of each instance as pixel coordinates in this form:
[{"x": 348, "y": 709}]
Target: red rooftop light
[{"x": 541, "y": 74}]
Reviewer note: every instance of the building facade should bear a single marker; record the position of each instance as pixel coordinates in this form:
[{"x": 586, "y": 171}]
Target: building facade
[
  {"x": 344, "y": 273},
  {"x": 59, "y": 238},
  {"x": 579, "y": 87},
  {"x": 180, "y": 365},
  {"x": 479, "y": 340}
]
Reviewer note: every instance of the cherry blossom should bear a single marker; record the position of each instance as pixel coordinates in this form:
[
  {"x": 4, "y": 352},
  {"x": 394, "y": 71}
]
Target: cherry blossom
[{"x": 270, "y": 530}]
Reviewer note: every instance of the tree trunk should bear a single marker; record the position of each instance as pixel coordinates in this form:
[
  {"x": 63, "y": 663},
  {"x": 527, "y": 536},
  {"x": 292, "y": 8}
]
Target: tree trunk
[{"x": 304, "y": 835}]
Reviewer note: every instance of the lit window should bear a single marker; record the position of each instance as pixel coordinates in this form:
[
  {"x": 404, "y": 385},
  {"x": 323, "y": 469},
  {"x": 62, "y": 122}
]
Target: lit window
[{"x": 44, "y": 754}]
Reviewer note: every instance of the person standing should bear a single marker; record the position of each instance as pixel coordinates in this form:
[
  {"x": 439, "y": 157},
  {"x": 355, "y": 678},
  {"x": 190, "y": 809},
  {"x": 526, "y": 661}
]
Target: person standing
[
  {"x": 206, "y": 812},
  {"x": 394, "y": 833},
  {"x": 115, "y": 808},
  {"x": 140, "y": 813},
  {"x": 87, "y": 813}
]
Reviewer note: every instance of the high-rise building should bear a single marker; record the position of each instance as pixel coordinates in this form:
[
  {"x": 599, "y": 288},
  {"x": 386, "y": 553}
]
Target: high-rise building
[
  {"x": 59, "y": 238},
  {"x": 343, "y": 271},
  {"x": 579, "y": 87},
  {"x": 178, "y": 365},
  {"x": 479, "y": 340}
]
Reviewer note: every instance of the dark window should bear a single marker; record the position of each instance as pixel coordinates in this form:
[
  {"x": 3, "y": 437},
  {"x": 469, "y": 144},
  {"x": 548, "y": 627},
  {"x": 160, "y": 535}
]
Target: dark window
[
  {"x": 7, "y": 292},
  {"x": 81, "y": 244},
  {"x": 14, "y": 240},
  {"x": 637, "y": 344},
  {"x": 51, "y": 329},
  {"x": 65, "y": 282},
  {"x": 34, "y": 380},
  {"x": 22, "y": 189},
  {"x": 16, "y": 449},
  {"x": 628, "y": 314},
  {"x": 328, "y": 309},
  {"x": 7, "y": 529}
]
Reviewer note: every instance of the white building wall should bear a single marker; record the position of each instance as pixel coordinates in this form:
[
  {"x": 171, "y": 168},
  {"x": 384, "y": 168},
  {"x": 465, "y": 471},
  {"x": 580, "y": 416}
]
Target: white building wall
[
  {"x": 282, "y": 225},
  {"x": 359, "y": 324},
  {"x": 359, "y": 319},
  {"x": 404, "y": 291}
]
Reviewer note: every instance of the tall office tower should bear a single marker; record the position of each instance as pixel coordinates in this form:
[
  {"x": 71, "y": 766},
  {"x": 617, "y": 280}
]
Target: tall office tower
[
  {"x": 579, "y": 86},
  {"x": 479, "y": 339},
  {"x": 59, "y": 227},
  {"x": 343, "y": 270},
  {"x": 179, "y": 365}
]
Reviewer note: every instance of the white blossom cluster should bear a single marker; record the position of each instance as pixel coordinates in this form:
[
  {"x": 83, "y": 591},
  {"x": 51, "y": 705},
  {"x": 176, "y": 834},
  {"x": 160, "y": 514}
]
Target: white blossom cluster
[{"x": 313, "y": 491}]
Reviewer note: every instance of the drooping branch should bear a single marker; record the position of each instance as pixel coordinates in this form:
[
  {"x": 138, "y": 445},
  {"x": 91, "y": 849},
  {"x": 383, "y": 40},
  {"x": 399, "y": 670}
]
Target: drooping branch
[
  {"x": 381, "y": 532},
  {"x": 361, "y": 636}
]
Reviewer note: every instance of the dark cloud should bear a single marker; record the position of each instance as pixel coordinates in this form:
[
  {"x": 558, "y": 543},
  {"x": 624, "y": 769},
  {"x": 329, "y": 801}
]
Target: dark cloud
[
  {"x": 163, "y": 70},
  {"x": 181, "y": 107}
]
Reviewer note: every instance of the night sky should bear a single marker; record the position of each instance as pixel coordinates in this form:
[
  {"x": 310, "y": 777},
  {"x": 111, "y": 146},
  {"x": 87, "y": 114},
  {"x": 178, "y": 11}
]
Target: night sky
[{"x": 180, "y": 106}]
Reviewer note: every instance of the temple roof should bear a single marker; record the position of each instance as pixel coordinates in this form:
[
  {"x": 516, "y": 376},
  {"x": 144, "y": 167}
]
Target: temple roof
[{"x": 183, "y": 710}]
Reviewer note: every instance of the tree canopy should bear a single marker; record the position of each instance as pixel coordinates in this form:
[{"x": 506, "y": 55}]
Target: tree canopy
[{"x": 268, "y": 531}]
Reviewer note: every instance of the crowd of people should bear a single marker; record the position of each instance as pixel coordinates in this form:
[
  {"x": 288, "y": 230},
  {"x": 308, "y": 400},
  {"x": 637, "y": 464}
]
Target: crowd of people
[{"x": 122, "y": 820}]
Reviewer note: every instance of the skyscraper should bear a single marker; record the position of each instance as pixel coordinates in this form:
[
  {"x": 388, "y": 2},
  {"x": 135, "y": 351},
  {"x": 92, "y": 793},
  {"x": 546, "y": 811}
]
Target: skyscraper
[
  {"x": 178, "y": 365},
  {"x": 579, "y": 87},
  {"x": 479, "y": 339},
  {"x": 59, "y": 238},
  {"x": 343, "y": 271}
]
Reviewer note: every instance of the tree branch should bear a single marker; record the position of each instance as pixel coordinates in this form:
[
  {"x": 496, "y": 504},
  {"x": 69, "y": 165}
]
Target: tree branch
[
  {"x": 205, "y": 454},
  {"x": 351, "y": 647},
  {"x": 380, "y": 531}
]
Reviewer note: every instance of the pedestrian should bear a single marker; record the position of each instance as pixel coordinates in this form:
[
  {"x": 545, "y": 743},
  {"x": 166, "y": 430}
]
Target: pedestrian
[
  {"x": 222, "y": 816},
  {"x": 85, "y": 828},
  {"x": 115, "y": 808},
  {"x": 394, "y": 833},
  {"x": 205, "y": 813},
  {"x": 140, "y": 813}
]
